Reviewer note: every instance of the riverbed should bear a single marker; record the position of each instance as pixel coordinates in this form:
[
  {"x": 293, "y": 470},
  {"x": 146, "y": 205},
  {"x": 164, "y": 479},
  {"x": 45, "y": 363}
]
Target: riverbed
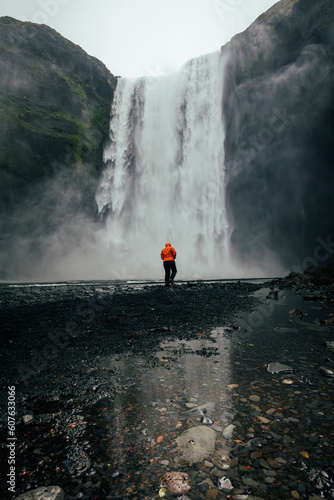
[{"x": 108, "y": 376}]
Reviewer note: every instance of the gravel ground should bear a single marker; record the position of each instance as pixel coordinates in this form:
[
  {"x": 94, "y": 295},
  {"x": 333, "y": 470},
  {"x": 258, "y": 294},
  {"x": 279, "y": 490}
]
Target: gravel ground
[{"x": 108, "y": 376}]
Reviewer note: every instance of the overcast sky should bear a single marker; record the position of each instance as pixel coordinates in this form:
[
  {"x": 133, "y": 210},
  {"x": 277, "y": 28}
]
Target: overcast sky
[{"x": 136, "y": 37}]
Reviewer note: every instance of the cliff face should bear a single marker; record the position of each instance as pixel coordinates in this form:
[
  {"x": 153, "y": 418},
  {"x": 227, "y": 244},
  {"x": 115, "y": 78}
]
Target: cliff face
[
  {"x": 279, "y": 109},
  {"x": 279, "y": 125},
  {"x": 54, "y": 110}
]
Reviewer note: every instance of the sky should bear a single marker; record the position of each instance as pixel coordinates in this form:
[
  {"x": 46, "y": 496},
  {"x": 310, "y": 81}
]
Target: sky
[{"x": 142, "y": 37}]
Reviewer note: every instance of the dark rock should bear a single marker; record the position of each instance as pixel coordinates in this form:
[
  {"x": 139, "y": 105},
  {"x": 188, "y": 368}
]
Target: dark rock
[
  {"x": 55, "y": 103},
  {"x": 206, "y": 485},
  {"x": 112, "y": 319},
  {"x": 296, "y": 313},
  {"x": 273, "y": 295},
  {"x": 288, "y": 47}
]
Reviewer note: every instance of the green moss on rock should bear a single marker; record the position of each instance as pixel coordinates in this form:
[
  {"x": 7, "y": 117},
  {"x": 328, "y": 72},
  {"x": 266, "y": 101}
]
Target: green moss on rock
[{"x": 54, "y": 107}]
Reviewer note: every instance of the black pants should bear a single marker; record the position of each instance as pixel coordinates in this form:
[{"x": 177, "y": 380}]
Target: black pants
[{"x": 169, "y": 266}]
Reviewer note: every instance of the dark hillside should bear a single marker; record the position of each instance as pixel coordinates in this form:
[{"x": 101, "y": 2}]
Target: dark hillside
[
  {"x": 54, "y": 108},
  {"x": 279, "y": 108}
]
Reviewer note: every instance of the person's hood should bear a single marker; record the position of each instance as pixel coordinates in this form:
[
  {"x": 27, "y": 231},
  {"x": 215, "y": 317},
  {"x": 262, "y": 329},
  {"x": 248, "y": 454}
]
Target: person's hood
[{"x": 168, "y": 245}]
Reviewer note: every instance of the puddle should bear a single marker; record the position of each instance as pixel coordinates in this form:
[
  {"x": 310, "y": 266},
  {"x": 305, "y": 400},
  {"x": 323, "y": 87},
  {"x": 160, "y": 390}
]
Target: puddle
[
  {"x": 157, "y": 403},
  {"x": 225, "y": 375}
]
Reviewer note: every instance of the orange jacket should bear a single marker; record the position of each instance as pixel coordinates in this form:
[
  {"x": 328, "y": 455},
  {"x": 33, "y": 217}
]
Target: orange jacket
[{"x": 168, "y": 253}]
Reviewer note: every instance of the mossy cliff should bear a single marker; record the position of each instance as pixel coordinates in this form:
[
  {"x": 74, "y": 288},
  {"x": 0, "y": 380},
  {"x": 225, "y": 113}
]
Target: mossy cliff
[
  {"x": 54, "y": 110},
  {"x": 279, "y": 116}
]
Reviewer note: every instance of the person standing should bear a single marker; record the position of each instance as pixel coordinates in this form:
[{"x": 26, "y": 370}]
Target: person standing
[{"x": 168, "y": 255}]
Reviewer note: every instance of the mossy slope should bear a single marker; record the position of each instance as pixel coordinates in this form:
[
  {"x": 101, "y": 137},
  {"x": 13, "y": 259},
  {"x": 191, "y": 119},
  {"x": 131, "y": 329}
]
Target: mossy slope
[{"x": 54, "y": 108}]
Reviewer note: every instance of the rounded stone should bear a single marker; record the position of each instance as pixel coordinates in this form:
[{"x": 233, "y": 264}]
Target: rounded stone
[
  {"x": 326, "y": 372},
  {"x": 254, "y": 398},
  {"x": 197, "y": 443},
  {"x": 255, "y": 454}
]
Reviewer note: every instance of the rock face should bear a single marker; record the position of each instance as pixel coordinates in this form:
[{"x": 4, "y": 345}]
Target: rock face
[
  {"x": 54, "y": 113},
  {"x": 54, "y": 109},
  {"x": 279, "y": 110}
]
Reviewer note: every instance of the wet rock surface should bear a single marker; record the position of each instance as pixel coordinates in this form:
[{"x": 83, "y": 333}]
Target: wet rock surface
[
  {"x": 196, "y": 443},
  {"x": 105, "y": 403}
]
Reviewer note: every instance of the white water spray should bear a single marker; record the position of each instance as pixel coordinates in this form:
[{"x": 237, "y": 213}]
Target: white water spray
[{"x": 164, "y": 178}]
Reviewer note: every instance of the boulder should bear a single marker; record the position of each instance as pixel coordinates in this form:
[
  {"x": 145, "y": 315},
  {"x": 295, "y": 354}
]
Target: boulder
[{"x": 196, "y": 443}]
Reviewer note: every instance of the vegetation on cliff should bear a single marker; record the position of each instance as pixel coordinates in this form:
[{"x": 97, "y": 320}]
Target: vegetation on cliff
[{"x": 54, "y": 110}]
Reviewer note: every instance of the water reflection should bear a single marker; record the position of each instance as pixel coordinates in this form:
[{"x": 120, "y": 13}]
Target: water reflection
[{"x": 160, "y": 400}]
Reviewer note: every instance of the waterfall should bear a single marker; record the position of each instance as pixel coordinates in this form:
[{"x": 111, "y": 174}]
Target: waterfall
[{"x": 164, "y": 174}]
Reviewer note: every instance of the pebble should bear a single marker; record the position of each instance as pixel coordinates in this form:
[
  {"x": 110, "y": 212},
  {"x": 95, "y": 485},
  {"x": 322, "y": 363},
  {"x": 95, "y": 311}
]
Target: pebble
[
  {"x": 212, "y": 494},
  {"x": 269, "y": 480},
  {"x": 264, "y": 420},
  {"x": 295, "y": 494},
  {"x": 296, "y": 313},
  {"x": 27, "y": 419},
  {"x": 207, "y": 421},
  {"x": 228, "y": 431},
  {"x": 206, "y": 485},
  {"x": 326, "y": 372},
  {"x": 248, "y": 481},
  {"x": 273, "y": 463},
  {"x": 254, "y": 398},
  {"x": 279, "y": 368},
  {"x": 280, "y": 460},
  {"x": 255, "y": 455},
  {"x": 225, "y": 485}
]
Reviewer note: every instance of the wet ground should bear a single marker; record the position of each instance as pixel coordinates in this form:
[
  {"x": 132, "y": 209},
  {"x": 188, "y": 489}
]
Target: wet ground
[{"x": 113, "y": 375}]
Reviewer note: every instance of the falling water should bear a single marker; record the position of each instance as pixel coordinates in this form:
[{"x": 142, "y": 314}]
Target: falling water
[{"x": 164, "y": 176}]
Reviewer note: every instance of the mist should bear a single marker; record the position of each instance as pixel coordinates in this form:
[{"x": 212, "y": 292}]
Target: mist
[
  {"x": 49, "y": 237},
  {"x": 163, "y": 180}
]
